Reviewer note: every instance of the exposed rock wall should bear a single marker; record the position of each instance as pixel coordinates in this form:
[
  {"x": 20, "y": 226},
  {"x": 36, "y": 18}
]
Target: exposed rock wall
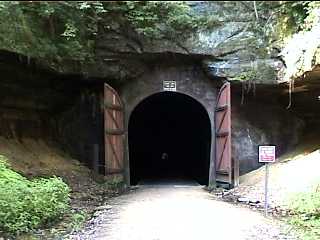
[
  {"x": 25, "y": 100},
  {"x": 80, "y": 128},
  {"x": 257, "y": 123},
  {"x": 229, "y": 49},
  {"x": 49, "y": 107},
  {"x": 301, "y": 53}
]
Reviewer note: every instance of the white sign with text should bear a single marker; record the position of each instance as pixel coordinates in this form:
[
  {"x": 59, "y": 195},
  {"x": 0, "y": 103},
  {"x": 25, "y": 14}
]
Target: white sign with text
[
  {"x": 170, "y": 86},
  {"x": 267, "y": 154}
]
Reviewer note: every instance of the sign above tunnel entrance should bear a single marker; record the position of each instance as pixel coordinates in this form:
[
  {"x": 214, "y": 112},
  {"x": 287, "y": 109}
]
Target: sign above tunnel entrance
[{"x": 170, "y": 86}]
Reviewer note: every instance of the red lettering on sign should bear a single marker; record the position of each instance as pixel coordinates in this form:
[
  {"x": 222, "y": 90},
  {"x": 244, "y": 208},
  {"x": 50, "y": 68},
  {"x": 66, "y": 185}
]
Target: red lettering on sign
[{"x": 267, "y": 154}]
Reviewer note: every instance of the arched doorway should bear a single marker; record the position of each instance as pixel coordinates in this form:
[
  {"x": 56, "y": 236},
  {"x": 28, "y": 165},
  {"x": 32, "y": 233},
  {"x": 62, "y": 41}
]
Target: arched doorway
[{"x": 169, "y": 138}]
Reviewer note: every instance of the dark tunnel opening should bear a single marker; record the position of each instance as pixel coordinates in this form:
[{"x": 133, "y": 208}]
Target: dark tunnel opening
[{"x": 169, "y": 139}]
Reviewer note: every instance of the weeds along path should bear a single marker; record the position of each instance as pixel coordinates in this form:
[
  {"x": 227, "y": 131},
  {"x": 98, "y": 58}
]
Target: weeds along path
[{"x": 178, "y": 212}]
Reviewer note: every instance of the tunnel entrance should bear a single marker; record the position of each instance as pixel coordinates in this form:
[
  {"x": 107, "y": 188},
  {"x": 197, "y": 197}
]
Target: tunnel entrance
[{"x": 169, "y": 139}]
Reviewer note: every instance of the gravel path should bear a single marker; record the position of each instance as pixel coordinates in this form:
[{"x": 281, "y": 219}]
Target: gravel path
[{"x": 181, "y": 211}]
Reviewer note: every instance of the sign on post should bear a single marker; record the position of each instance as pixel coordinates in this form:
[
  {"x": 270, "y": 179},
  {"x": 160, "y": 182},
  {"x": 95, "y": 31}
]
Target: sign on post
[
  {"x": 267, "y": 154},
  {"x": 169, "y": 86}
]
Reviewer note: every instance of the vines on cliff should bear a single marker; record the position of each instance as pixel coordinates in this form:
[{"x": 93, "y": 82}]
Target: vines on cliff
[
  {"x": 67, "y": 30},
  {"x": 282, "y": 22}
]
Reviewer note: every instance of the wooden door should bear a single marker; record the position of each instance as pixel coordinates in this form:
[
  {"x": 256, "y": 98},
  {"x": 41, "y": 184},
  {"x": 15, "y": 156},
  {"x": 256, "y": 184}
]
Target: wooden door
[
  {"x": 226, "y": 169},
  {"x": 114, "y": 132}
]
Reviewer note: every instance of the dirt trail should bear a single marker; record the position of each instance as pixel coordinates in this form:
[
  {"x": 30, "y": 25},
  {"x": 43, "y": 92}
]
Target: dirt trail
[
  {"x": 287, "y": 177},
  {"x": 181, "y": 211}
]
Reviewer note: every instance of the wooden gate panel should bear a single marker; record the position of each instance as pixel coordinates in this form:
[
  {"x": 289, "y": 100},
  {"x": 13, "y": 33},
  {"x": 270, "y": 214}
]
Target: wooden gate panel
[
  {"x": 114, "y": 131},
  {"x": 224, "y": 164}
]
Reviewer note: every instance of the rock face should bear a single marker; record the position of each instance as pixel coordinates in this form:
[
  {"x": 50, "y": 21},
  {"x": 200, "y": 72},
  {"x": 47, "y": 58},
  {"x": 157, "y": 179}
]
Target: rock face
[
  {"x": 256, "y": 123},
  {"x": 229, "y": 49},
  {"x": 302, "y": 52},
  {"x": 42, "y": 105},
  {"x": 80, "y": 128}
]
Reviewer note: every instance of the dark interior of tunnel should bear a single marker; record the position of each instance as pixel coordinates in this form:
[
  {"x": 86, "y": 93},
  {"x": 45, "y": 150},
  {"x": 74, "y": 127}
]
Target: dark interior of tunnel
[{"x": 169, "y": 139}]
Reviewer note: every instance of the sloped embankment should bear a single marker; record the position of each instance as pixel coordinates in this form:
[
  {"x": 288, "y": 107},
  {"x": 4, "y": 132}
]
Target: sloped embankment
[
  {"x": 295, "y": 172},
  {"x": 36, "y": 157}
]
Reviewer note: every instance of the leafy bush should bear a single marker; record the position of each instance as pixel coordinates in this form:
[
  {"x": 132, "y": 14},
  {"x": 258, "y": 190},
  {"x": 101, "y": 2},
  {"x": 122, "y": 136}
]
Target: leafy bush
[{"x": 28, "y": 204}]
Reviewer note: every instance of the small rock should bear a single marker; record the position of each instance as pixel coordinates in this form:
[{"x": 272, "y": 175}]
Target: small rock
[
  {"x": 96, "y": 214},
  {"x": 243, "y": 199},
  {"x": 104, "y": 207}
]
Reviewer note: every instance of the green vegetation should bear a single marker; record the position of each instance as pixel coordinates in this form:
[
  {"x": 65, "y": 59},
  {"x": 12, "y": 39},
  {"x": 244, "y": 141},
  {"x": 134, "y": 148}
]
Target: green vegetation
[
  {"x": 163, "y": 19},
  {"x": 291, "y": 16},
  {"x": 301, "y": 48},
  {"x": 278, "y": 20},
  {"x": 77, "y": 219},
  {"x": 114, "y": 184},
  {"x": 296, "y": 16},
  {"x": 306, "y": 208},
  {"x": 247, "y": 75},
  {"x": 67, "y": 30},
  {"x": 50, "y": 29},
  {"x": 29, "y": 204}
]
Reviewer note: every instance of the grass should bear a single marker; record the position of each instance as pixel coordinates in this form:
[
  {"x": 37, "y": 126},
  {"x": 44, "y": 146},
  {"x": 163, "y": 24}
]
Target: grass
[
  {"x": 306, "y": 213},
  {"x": 77, "y": 220}
]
